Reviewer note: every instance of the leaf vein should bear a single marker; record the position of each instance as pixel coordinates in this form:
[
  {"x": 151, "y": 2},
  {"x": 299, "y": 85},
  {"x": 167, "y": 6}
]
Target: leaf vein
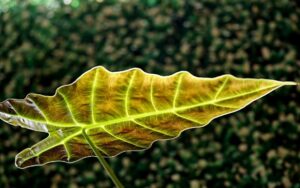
[
  {"x": 93, "y": 96},
  {"x": 150, "y": 128},
  {"x": 69, "y": 108},
  {"x": 177, "y": 90},
  {"x": 127, "y": 94},
  {"x": 187, "y": 118},
  {"x": 53, "y": 146},
  {"x": 121, "y": 139},
  {"x": 67, "y": 149},
  {"x": 152, "y": 95},
  {"x": 221, "y": 88},
  {"x": 40, "y": 110}
]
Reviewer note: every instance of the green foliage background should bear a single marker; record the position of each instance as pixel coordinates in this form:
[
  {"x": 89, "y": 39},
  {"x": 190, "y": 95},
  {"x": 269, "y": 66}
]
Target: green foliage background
[{"x": 44, "y": 44}]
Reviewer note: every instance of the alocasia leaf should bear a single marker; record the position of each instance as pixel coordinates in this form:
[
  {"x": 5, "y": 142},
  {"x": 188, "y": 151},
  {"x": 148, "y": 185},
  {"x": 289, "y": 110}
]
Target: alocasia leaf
[{"x": 121, "y": 111}]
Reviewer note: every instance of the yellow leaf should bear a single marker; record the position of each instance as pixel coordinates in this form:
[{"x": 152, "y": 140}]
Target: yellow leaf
[{"x": 121, "y": 111}]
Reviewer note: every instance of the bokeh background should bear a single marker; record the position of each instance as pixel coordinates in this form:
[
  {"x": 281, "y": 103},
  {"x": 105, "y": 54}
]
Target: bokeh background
[{"x": 44, "y": 44}]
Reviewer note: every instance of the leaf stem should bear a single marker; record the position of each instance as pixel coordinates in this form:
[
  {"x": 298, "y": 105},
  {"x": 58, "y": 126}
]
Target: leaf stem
[{"x": 101, "y": 159}]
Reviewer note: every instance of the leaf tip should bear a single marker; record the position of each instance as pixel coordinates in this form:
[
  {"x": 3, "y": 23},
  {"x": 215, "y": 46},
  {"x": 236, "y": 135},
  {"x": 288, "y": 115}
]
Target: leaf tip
[{"x": 291, "y": 83}]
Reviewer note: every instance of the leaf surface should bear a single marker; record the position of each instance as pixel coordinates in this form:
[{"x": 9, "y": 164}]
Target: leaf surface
[{"x": 126, "y": 110}]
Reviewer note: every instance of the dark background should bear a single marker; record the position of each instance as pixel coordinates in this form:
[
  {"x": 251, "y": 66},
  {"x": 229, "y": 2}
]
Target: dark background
[{"x": 45, "y": 44}]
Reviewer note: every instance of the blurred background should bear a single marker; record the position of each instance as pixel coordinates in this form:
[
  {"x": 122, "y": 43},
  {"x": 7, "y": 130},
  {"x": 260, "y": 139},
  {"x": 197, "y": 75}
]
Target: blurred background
[{"x": 48, "y": 43}]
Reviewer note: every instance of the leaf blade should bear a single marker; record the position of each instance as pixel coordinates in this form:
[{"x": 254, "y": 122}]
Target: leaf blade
[{"x": 127, "y": 110}]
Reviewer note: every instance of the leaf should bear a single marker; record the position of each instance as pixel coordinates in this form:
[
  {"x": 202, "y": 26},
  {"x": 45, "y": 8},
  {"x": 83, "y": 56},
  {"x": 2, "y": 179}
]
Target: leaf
[{"x": 123, "y": 111}]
